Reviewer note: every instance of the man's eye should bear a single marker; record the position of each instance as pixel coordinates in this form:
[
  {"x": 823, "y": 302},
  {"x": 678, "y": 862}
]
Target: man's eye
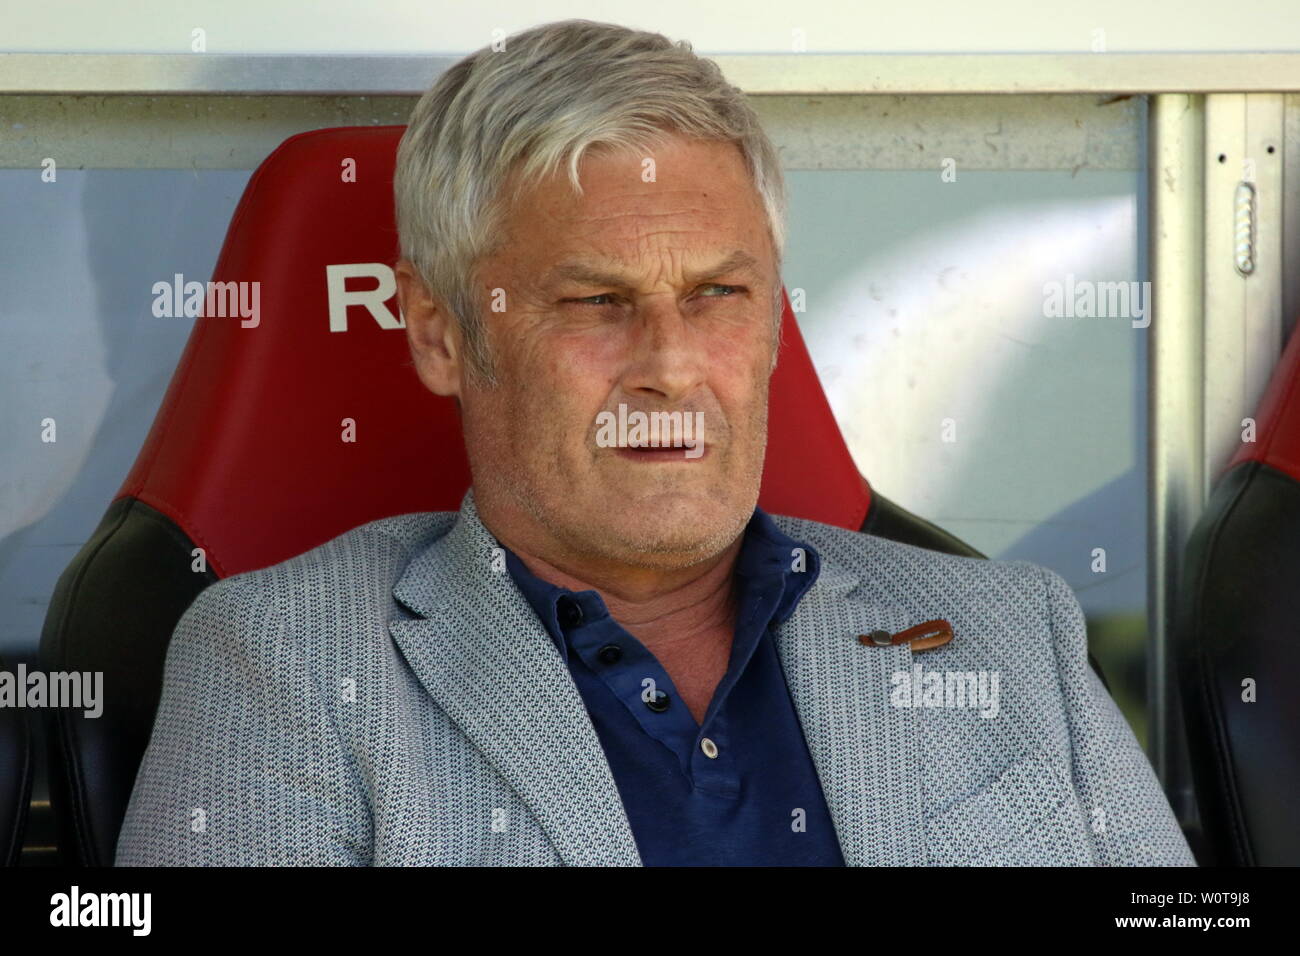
[{"x": 713, "y": 290}]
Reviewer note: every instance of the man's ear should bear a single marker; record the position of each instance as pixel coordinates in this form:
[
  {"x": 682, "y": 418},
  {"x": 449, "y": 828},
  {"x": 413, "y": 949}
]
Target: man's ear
[{"x": 431, "y": 331}]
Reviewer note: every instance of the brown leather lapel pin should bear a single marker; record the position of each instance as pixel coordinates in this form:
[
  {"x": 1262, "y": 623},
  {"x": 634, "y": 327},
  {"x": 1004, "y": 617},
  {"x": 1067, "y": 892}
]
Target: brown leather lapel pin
[{"x": 922, "y": 637}]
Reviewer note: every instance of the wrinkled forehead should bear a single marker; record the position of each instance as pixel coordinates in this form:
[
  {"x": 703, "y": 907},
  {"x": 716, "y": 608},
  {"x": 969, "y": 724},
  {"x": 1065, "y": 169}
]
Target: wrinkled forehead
[
  {"x": 704, "y": 226},
  {"x": 675, "y": 178}
]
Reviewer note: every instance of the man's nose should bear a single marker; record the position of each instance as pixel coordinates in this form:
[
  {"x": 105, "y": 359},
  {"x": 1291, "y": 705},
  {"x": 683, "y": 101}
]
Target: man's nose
[{"x": 667, "y": 355}]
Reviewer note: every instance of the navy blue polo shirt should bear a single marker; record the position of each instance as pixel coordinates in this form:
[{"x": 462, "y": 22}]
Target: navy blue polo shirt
[{"x": 739, "y": 789}]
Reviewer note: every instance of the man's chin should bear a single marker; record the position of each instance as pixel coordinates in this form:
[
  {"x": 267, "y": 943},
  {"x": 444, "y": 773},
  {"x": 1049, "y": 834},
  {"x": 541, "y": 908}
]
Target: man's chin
[
  {"x": 669, "y": 507},
  {"x": 674, "y": 531}
]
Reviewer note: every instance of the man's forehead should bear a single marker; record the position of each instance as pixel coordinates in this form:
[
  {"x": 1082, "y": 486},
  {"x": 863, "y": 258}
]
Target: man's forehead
[{"x": 600, "y": 270}]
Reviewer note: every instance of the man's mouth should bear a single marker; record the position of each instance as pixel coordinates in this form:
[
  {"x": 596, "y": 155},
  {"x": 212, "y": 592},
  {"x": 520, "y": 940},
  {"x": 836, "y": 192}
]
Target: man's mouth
[
  {"x": 663, "y": 453},
  {"x": 652, "y": 437}
]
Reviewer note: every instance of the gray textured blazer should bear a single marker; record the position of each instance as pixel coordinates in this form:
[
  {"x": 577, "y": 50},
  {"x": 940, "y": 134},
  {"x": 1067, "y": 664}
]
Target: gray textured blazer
[{"x": 390, "y": 698}]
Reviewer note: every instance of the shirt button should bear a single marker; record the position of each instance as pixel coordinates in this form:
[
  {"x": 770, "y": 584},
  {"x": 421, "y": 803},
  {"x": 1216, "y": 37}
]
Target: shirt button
[
  {"x": 710, "y": 748},
  {"x": 569, "y": 612},
  {"x": 660, "y": 702},
  {"x": 610, "y": 654}
]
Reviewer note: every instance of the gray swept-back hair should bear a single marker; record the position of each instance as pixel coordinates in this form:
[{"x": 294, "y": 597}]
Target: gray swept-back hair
[{"x": 540, "y": 102}]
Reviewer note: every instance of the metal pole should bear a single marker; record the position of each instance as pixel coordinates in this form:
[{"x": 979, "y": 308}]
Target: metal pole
[{"x": 1176, "y": 357}]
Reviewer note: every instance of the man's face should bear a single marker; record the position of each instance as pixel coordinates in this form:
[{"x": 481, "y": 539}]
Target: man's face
[{"x": 654, "y": 295}]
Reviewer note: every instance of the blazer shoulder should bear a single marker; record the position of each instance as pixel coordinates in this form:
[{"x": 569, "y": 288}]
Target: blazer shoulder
[
  {"x": 368, "y": 558},
  {"x": 920, "y": 578},
  {"x": 860, "y": 551}
]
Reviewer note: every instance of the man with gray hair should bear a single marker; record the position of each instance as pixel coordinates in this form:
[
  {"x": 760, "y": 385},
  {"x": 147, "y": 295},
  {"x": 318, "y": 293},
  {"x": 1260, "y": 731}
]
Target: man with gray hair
[{"x": 610, "y": 655}]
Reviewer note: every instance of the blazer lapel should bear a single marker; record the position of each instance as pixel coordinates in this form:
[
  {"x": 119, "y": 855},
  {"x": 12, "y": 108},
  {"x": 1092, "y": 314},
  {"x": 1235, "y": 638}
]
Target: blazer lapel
[
  {"x": 488, "y": 662},
  {"x": 867, "y": 752}
]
